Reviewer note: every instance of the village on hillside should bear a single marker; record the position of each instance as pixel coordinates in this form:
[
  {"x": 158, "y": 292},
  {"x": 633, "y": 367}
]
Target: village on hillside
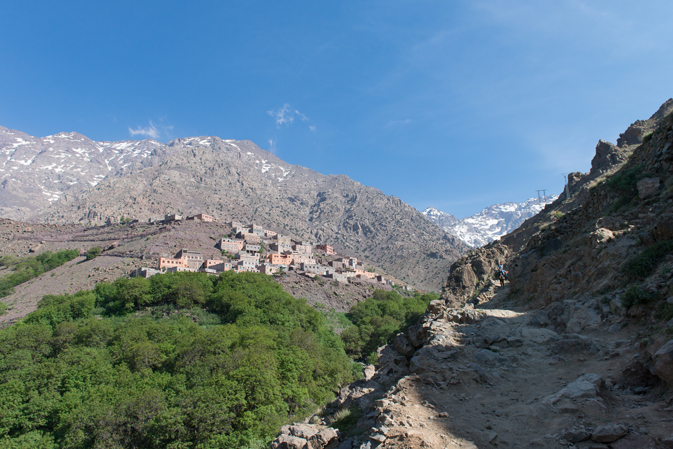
[{"x": 251, "y": 248}]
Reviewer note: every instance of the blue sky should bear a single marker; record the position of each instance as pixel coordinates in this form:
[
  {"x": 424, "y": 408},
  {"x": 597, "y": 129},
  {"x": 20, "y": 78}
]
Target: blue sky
[{"x": 452, "y": 104}]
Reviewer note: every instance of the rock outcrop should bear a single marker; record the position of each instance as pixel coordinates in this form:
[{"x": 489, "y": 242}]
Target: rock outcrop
[{"x": 574, "y": 351}]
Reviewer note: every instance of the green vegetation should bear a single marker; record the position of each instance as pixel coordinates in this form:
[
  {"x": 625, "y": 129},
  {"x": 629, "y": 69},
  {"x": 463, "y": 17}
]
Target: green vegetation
[
  {"x": 182, "y": 360},
  {"x": 647, "y": 137},
  {"x": 3, "y": 308},
  {"x": 378, "y": 319},
  {"x": 92, "y": 253},
  {"x": 635, "y": 295},
  {"x": 558, "y": 214},
  {"x": 27, "y": 268},
  {"x": 644, "y": 264},
  {"x": 624, "y": 183},
  {"x": 346, "y": 421}
]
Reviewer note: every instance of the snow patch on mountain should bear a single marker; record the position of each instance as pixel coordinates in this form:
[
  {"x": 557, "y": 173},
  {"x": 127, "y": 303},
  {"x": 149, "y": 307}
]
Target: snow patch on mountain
[{"x": 490, "y": 224}]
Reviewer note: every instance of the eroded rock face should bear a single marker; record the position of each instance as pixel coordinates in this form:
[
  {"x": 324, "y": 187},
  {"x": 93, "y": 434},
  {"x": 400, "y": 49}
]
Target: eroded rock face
[
  {"x": 472, "y": 271},
  {"x": 607, "y": 155},
  {"x": 647, "y": 187},
  {"x": 663, "y": 363}
]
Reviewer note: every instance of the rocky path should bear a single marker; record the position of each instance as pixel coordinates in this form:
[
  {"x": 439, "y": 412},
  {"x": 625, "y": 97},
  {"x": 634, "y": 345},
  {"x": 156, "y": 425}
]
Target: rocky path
[{"x": 494, "y": 376}]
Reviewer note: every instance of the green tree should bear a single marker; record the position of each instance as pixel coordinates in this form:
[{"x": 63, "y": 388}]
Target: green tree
[{"x": 92, "y": 253}]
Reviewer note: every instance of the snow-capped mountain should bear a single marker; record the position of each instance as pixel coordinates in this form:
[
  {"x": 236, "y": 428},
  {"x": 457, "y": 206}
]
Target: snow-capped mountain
[
  {"x": 36, "y": 171},
  {"x": 489, "y": 224}
]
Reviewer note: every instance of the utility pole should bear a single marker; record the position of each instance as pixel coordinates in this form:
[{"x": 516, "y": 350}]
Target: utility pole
[
  {"x": 543, "y": 196},
  {"x": 565, "y": 179}
]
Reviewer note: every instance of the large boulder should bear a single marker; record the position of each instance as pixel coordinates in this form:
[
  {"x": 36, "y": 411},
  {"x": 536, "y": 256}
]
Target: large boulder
[
  {"x": 647, "y": 187},
  {"x": 323, "y": 438},
  {"x": 403, "y": 345},
  {"x": 663, "y": 363},
  {"x": 663, "y": 230}
]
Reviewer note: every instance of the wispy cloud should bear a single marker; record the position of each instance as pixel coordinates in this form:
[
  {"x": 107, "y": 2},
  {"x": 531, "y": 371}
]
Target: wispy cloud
[
  {"x": 301, "y": 116},
  {"x": 272, "y": 146},
  {"x": 151, "y": 131},
  {"x": 286, "y": 116},
  {"x": 397, "y": 123},
  {"x": 283, "y": 116},
  {"x": 312, "y": 128}
]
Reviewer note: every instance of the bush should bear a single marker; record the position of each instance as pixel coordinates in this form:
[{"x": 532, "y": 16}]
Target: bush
[
  {"x": 635, "y": 295},
  {"x": 624, "y": 183},
  {"x": 93, "y": 253},
  {"x": 31, "y": 267},
  {"x": 644, "y": 264},
  {"x": 378, "y": 319}
]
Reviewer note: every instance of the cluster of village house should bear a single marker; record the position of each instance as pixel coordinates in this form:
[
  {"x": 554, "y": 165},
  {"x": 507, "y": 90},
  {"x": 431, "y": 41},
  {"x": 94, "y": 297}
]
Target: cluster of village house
[{"x": 254, "y": 249}]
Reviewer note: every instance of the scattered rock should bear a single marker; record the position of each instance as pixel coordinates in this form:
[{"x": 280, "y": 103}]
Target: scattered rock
[
  {"x": 586, "y": 386},
  {"x": 608, "y": 433},
  {"x": 289, "y": 442},
  {"x": 577, "y": 435}
]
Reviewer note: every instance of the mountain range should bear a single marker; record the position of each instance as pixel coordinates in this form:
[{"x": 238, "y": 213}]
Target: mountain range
[
  {"x": 489, "y": 224},
  {"x": 69, "y": 178}
]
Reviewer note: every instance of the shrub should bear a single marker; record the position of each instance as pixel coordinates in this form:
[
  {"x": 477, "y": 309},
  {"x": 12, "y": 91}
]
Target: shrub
[
  {"x": 643, "y": 264},
  {"x": 346, "y": 421},
  {"x": 624, "y": 183},
  {"x": 93, "y": 253},
  {"x": 378, "y": 319},
  {"x": 31, "y": 267},
  {"x": 635, "y": 295}
]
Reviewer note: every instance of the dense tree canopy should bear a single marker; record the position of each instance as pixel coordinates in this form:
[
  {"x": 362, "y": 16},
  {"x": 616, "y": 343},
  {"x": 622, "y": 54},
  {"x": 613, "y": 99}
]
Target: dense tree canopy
[
  {"x": 378, "y": 319},
  {"x": 182, "y": 360}
]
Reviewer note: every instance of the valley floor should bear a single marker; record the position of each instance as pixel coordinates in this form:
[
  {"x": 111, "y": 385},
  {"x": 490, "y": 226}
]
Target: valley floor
[{"x": 501, "y": 380}]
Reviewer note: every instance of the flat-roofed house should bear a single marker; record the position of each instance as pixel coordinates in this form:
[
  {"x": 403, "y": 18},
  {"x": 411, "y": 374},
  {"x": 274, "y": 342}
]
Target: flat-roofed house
[
  {"x": 210, "y": 262},
  {"x": 193, "y": 259},
  {"x": 171, "y": 262},
  {"x": 279, "y": 259},
  {"x": 327, "y": 248},
  {"x": 231, "y": 246}
]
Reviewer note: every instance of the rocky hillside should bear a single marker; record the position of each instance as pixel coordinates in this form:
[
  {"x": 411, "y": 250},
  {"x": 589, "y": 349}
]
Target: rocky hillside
[
  {"x": 574, "y": 350},
  {"x": 37, "y": 171},
  {"x": 133, "y": 245},
  {"x": 491, "y": 223},
  {"x": 229, "y": 180}
]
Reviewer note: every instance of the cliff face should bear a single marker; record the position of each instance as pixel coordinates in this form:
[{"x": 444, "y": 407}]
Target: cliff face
[
  {"x": 229, "y": 180},
  {"x": 575, "y": 349}
]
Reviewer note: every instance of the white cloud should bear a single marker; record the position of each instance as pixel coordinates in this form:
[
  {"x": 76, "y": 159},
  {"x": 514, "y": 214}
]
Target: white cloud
[
  {"x": 283, "y": 116},
  {"x": 272, "y": 146},
  {"x": 286, "y": 116},
  {"x": 301, "y": 116},
  {"x": 151, "y": 131}
]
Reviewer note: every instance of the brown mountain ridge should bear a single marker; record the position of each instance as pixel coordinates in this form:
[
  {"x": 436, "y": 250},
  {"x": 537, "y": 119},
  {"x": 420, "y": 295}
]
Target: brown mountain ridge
[{"x": 230, "y": 180}]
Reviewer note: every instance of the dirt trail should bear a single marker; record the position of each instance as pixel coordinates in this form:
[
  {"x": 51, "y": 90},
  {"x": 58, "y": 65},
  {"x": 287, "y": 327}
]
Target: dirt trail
[{"x": 503, "y": 380}]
